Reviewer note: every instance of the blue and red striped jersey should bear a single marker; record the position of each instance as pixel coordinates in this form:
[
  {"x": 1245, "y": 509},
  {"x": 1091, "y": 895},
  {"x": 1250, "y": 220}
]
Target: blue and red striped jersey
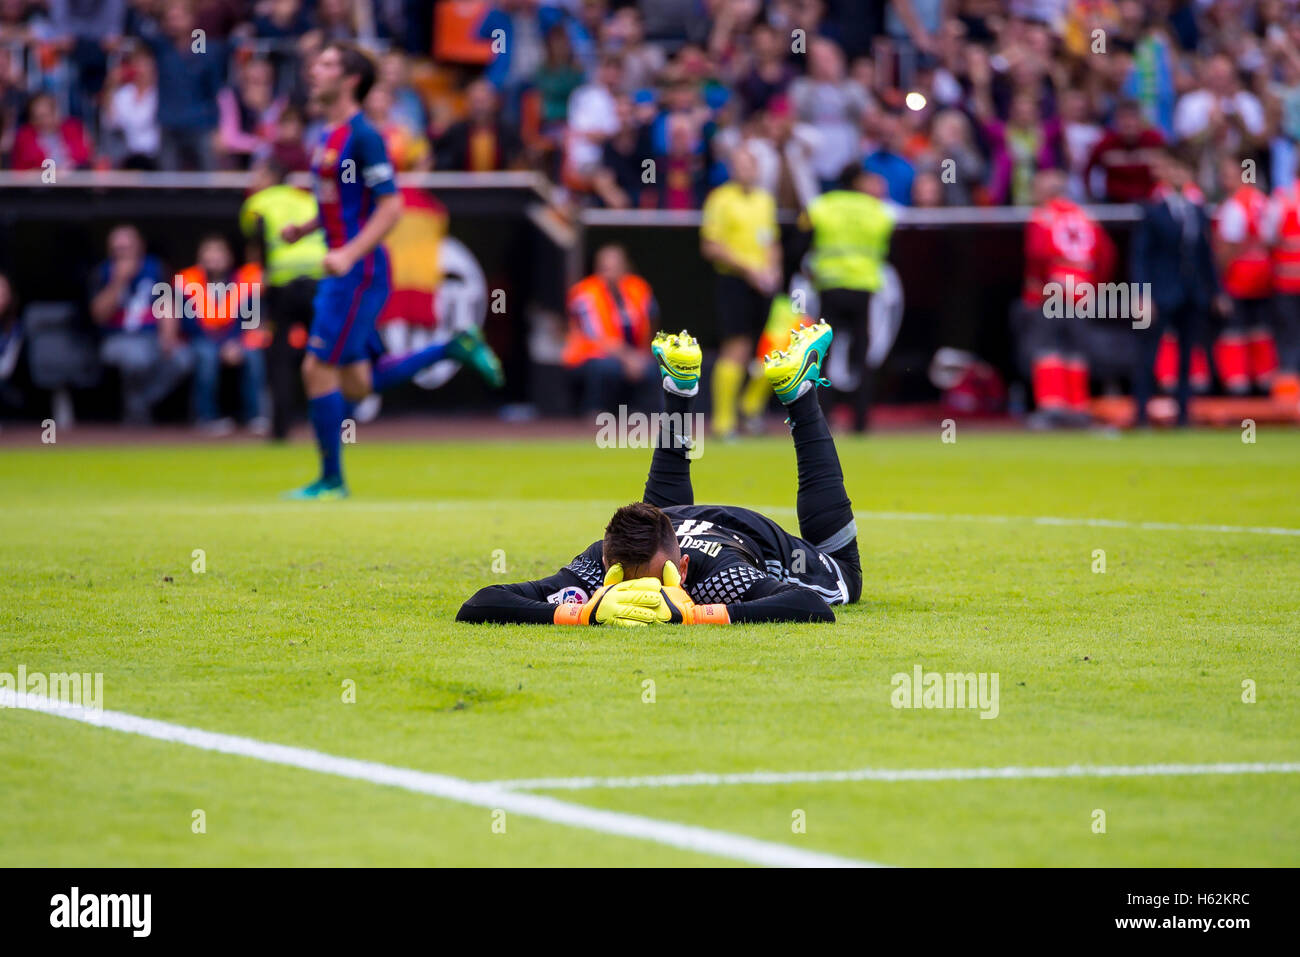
[{"x": 351, "y": 171}]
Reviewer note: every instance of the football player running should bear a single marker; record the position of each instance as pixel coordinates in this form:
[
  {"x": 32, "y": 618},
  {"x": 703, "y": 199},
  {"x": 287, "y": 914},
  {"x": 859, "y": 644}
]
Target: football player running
[
  {"x": 667, "y": 560},
  {"x": 358, "y": 205}
]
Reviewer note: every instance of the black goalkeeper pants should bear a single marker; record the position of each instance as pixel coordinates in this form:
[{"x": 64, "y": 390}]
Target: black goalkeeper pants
[
  {"x": 849, "y": 313},
  {"x": 286, "y": 306},
  {"x": 822, "y": 503}
]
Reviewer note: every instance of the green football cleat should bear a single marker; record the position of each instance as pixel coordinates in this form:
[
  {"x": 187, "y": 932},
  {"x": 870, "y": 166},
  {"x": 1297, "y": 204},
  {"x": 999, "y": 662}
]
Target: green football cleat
[
  {"x": 469, "y": 347},
  {"x": 321, "y": 490},
  {"x": 679, "y": 360},
  {"x": 799, "y": 368}
]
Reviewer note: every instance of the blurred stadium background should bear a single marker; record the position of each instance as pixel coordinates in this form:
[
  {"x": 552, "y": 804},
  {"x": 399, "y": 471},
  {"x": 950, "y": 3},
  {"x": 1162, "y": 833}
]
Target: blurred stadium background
[
  {"x": 1013, "y": 143},
  {"x": 521, "y": 130}
]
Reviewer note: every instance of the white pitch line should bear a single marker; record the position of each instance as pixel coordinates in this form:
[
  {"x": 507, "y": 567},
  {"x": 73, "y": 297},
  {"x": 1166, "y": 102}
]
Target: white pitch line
[
  {"x": 479, "y": 794},
  {"x": 894, "y": 775},
  {"x": 1061, "y": 521},
  {"x": 462, "y": 504}
]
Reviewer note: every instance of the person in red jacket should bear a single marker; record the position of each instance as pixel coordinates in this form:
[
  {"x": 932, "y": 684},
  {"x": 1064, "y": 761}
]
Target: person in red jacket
[
  {"x": 1125, "y": 154},
  {"x": 49, "y": 136},
  {"x": 1283, "y": 231},
  {"x": 1244, "y": 353},
  {"x": 1066, "y": 255}
]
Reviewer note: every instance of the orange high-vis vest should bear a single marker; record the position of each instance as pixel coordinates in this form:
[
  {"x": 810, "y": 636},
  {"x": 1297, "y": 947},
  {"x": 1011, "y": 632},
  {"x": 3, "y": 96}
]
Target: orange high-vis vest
[
  {"x": 1286, "y": 246},
  {"x": 1249, "y": 274},
  {"x": 245, "y": 283},
  {"x": 602, "y": 318}
]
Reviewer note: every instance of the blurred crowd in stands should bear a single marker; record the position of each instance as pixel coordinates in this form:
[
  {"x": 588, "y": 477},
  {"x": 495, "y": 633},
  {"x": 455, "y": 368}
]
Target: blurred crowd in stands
[
  {"x": 639, "y": 104},
  {"x": 1180, "y": 105}
]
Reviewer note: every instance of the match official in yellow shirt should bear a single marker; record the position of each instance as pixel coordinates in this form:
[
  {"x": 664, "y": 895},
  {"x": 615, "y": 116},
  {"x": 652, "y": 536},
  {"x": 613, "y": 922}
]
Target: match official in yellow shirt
[
  {"x": 289, "y": 275},
  {"x": 739, "y": 235}
]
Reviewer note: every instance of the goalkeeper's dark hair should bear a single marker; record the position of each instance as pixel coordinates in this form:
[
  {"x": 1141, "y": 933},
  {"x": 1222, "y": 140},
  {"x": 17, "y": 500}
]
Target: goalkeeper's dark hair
[
  {"x": 355, "y": 63},
  {"x": 637, "y": 533}
]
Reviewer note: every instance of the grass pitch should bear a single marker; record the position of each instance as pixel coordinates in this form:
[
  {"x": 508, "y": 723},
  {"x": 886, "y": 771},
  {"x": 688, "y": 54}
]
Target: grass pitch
[{"x": 965, "y": 570}]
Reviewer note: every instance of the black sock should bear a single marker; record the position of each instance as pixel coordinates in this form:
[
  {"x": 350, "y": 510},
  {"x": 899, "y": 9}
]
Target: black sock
[
  {"x": 823, "y": 506},
  {"x": 669, "y": 481},
  {"x": 805, "y": 409}
]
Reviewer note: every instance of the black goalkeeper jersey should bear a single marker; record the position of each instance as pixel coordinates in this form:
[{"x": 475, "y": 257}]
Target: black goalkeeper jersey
[{"x": 738, "y": 557}]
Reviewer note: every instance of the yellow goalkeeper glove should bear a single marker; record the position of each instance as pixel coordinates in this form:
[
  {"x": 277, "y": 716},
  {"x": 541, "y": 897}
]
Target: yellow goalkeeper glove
[
  {"x": 670, "y": 603},
  {"x": 616, "y": 603},
  {"x": 682, "y": 608}
]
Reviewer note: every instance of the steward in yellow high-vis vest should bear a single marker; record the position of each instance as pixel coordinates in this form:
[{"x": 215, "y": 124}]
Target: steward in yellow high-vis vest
[
  {"x": 290, "y": 271},
  {"x": 850, "y": 229}
]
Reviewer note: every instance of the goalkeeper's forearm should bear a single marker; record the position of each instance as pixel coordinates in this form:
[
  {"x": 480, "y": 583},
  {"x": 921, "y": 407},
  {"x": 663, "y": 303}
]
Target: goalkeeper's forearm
[
  {"x": 498, "y": 604},
  {"x": 792, "y": 604}
]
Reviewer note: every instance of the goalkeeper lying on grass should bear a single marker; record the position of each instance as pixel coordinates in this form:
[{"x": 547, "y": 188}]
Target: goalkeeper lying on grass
[{"x": 666, "y": 559}]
